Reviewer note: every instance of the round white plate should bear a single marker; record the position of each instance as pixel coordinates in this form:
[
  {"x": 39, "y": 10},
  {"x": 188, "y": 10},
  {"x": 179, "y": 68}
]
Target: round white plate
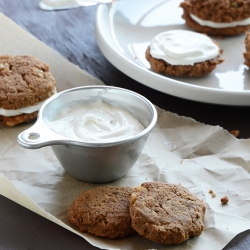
[{"x": 125, "y": 28}]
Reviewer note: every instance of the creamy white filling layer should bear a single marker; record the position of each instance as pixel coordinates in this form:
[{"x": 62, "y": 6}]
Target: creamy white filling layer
[
  {"x": 183, "y": 47},
  {"x": 25, "y": 110},
  {"x": 216, "y": 25}
]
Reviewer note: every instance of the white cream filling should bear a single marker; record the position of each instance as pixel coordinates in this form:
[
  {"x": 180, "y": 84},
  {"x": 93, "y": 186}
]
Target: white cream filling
[
  {"x": 183, "y": 47},
  {"x": 211, "y": 24},
  {"x": 25, "y": 110}
]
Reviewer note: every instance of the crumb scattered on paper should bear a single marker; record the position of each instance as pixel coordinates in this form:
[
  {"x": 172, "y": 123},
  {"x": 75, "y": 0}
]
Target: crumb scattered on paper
[
  {"x": 212, "y": 193},
  {"x": 224, "y": 200},
  {"x": 235, "y": 133}
]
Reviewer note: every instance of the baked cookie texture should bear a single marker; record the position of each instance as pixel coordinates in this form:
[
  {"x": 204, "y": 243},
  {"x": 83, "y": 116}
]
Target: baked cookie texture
[
  {"x": 13, "y": 120},
  {"x": 103, "y": 211},
  {"x": 216, "y": 11},
  {"x": 247, "y": 53},
  {"x": 166, "y": 213},
  {"x": 24, "y": 81},
  {"x": 196, "y": 70}
]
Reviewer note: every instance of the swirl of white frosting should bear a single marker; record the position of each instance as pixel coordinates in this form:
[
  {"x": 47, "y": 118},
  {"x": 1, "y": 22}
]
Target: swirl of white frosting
[
  {"x": 96, "y": 122},
  {"x": 217, "y": 25},
  {"x": 183, "y": 47}
]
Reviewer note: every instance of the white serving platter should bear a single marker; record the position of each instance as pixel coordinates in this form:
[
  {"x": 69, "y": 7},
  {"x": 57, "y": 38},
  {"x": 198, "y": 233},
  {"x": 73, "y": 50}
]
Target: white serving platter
[{"x": 125, "y": 28}]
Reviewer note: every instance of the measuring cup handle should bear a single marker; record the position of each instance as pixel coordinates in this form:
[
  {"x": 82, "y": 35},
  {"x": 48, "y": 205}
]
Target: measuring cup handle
[{"x": 38, "y": 136}]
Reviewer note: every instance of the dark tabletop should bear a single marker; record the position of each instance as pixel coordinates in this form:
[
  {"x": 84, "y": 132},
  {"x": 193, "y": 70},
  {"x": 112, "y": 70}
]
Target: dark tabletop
[{"x": 71, "y": 33}]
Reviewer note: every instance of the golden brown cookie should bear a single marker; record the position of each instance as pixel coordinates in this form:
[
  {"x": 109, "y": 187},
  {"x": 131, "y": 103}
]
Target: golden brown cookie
[
  {"x": 13, "y": 120},
  {"x": 196, "y": 70},
  {"x": 223, "y": 11},
  {"x": 166, "y": 213},
  {"x": 24, "y": 81},
  {"x": 103, "y": 211},
  {"x": 247, "y": 53}
]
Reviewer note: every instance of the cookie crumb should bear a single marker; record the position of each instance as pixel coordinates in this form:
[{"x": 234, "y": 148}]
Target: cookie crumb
[
  {"x": 235, "y": 133},
  {"x": 224, "y": 200},
  {"x": 212, "y": 193}
]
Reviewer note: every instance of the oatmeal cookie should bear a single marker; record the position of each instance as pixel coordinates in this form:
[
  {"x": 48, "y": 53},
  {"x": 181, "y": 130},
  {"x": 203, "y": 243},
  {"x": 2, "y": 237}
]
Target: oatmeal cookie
[
  {"x": 196, "y": 70},
  {"x": 217, "y": 12},
  {"x": 13, "y": 120},
  {"x": 103, "y": 211},
  {"x": 25, "y": 81},
  {"x": 166, "y": 213},
  {"x": 247, "y": 53}
]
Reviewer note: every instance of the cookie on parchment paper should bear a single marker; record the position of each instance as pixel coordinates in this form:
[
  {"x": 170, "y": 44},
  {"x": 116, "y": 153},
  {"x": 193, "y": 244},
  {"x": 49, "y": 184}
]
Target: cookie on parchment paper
[
  {"x": 25, "y": 82},
  {"x": 166, "y": 213},
  {"x": 103, "y": 211}
]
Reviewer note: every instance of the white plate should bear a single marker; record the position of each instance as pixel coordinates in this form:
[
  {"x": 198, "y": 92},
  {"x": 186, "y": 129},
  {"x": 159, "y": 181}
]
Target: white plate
[{"x": 124, "y": 30}]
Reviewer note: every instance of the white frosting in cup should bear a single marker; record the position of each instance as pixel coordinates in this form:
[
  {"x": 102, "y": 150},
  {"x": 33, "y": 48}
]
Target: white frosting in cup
[
  {"x": 183, "y": 47},
  {"x": 216, "y": 25},
  {"x": 96, "y": 122}
]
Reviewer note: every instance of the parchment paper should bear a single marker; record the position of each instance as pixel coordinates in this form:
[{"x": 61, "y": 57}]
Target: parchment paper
[{"x": 179, "y": 150}]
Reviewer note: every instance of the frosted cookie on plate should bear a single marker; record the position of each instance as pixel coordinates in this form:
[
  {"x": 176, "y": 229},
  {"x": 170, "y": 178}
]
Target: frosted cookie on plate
[
  {"x": 247, "y": 53},
  {"x": 103, "y": 212},
  {"x": 25, "y": 83},
  {"x": 223, "y": 18},
  {"x": 166, "y": 213},
  {"x": 183, "y": 53}
]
